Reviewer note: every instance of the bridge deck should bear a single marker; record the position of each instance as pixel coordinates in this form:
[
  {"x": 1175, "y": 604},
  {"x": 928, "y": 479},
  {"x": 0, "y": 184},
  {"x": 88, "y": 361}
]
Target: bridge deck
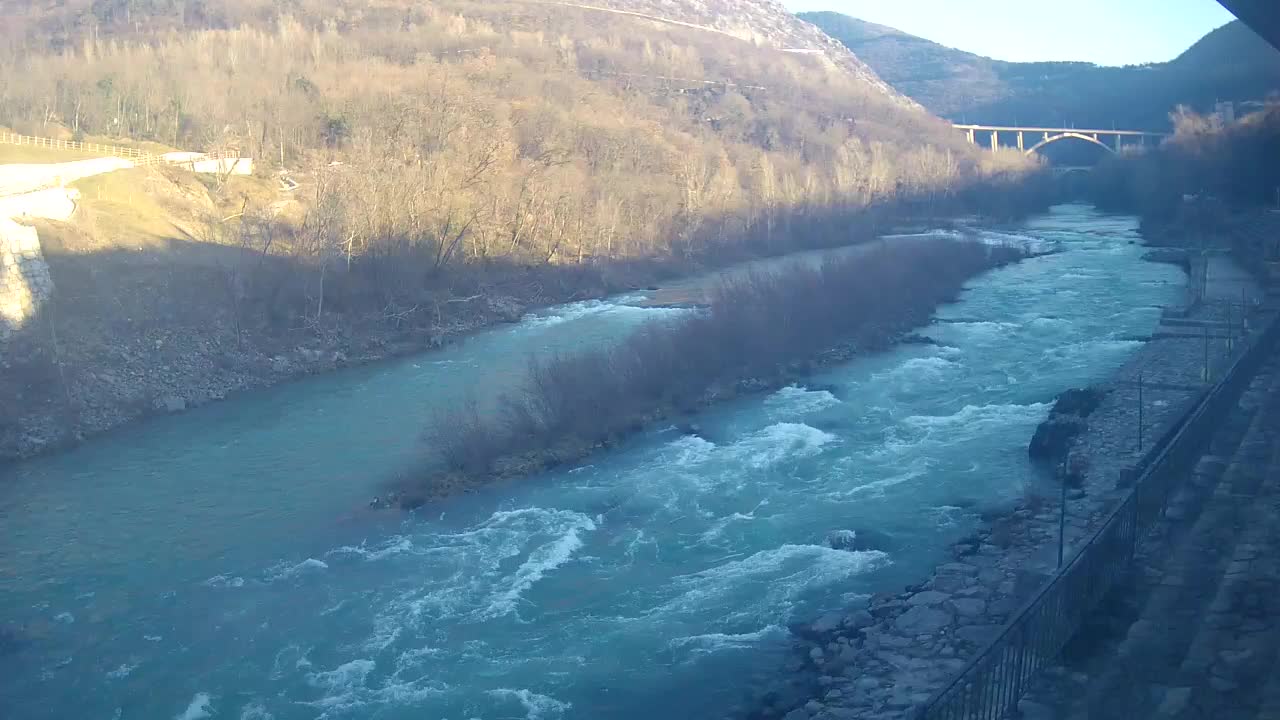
[{"x": 1082, "y": 131}]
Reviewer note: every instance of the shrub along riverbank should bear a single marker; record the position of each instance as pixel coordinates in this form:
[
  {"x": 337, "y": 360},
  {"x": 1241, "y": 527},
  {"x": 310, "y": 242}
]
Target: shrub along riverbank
[{"x": 758, "y": 332}]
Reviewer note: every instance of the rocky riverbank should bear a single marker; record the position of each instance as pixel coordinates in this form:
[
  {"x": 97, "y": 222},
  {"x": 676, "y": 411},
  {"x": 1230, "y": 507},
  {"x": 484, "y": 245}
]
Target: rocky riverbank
[
  {"x": 113, "y": 347},
  {"x": 882, "y": 660},
  {"x": 131, "y": 336}
]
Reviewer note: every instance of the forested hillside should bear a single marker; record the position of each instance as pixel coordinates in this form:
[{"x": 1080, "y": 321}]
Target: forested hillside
[
  {"x": 455, "y": 162},
  {"x": 1201, "y": 171},
  {"x": 491, "y": 128},
  {"x": 1230, "y": 63}
]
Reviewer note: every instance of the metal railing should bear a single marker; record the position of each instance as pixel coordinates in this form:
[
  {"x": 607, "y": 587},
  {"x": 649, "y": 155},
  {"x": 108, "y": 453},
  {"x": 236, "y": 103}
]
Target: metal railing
[{"x": 991, "y": 685}]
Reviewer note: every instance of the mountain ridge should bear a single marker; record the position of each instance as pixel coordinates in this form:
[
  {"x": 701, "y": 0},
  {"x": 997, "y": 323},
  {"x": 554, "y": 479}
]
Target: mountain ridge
[{"x": 1229, "y": 63}]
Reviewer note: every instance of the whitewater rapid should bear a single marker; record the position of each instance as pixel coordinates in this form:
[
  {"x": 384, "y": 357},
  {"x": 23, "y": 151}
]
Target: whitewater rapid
[{"x": 211, "y": 565}]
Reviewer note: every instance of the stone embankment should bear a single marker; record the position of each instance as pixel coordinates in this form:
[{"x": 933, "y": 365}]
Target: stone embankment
[
  {"x": 25, "y": 284},
  {"x": 1196, "y": 632},
  {"x": 881, "y": 661}
]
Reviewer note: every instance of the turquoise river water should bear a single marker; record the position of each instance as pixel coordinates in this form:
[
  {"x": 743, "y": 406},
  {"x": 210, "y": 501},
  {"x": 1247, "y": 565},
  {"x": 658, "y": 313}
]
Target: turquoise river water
[{"x": 218, "y": 564}]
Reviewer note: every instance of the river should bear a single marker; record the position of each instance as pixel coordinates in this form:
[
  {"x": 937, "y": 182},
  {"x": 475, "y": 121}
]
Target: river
[{"x": 216, "y": 563}]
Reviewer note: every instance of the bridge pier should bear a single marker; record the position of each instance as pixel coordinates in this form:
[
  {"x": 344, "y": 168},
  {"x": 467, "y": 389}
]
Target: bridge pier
[
  {"x": 1021, "y": 145},
  {"x": 995, "y": 140},
  {"x": 972, "y": 139}
]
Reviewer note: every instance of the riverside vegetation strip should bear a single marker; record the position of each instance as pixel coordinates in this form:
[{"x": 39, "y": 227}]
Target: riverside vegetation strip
[{"x": 758, "y": 332}]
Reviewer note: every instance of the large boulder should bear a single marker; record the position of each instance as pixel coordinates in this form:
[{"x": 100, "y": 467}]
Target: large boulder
[
  {"x": 1054, "y": 437},
  {"x": 922, "y": 620},
  {"x": 1080, "y": 402}
]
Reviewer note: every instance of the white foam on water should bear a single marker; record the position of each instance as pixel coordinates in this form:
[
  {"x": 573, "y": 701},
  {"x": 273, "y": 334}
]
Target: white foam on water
[
  {"x": 793, "y": 400},
  {"x": 773, "y": 579},
  {"x": 541, "y": 561},
  {"x": 840, "y": 539},
  {"x": 716, "y": 642},
  {"x": 537, "y": 707},
  {"x": 1080, "y": 352},
  {"x": 385, "y": 632},
  {"x": 587, "y": 308},
  {"x": 998, "y": 236},
  {"x": 983, "y": 329},
  {"x": 283, "y": 571},
  {"x": 343, "y": 683},
  {"x": 979, "y": 419},
  {"x": 1049, "y": 323},
  {"x": 402, "y": 693},
  {"x": 124, "y": 671},
  {"x": 201, "y": 706},
  {"x": 255, "y": 711},
  {"x": 344, "y": 677},
  {"x": 690, "y": 450},
  {"x": 918, "y": 468},
  {"x": 65, "y": 618},
  {"x": 290, "y": 657},
  {"x": 476, "y": 574},
  {"x": 348, "y": 687},
  {"x": 723, "y": 523},
  {"x": 565, "y": 313},
  {"x": 910, "y": 372},
  {"x": 224, "y": 581},
  {"x": 891, "y": 448},
  {"x": 152, "y": 638},
  {"x": 410, "y": 659},
  {"x": 947, "y": 516},
  {"x": 938, "y": 233},
  {"x": 335, "y": 607},
  {"x": 779, "y": 442},
  {"x": 393, "y": 546}
]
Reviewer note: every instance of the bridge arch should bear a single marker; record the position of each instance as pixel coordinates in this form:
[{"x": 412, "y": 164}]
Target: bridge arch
[{"x": 1075, "y": 135}]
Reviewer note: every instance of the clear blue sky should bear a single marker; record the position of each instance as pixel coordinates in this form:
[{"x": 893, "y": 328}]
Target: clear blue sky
[{"x": 1107, "y": 32}]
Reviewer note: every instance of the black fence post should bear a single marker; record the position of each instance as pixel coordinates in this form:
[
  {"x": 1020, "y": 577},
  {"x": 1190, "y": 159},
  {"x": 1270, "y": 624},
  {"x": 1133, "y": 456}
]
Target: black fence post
[
  {"x": 1140, "y": 412},
  {"x": 1062, "y": 516}
]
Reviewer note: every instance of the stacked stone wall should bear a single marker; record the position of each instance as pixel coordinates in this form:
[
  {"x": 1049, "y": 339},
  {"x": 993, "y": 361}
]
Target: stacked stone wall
[{"x": 25, "y": 284}]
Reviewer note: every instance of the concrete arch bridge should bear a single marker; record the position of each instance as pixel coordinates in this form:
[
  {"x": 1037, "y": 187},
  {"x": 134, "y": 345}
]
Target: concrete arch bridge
[{"x": 1032, "y": 139}]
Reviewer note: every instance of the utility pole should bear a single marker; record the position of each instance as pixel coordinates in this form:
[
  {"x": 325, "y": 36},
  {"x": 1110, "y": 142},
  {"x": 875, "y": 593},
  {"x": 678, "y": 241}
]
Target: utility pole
[
  {"x": 1231, "y": 327},
  {"x": 1206, "y": 354},
  {"x": 1062, "y": 516}
]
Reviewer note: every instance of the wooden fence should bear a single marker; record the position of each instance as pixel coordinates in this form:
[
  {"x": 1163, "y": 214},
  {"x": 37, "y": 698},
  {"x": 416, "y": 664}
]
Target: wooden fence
[{"x": 141, "y": 156}]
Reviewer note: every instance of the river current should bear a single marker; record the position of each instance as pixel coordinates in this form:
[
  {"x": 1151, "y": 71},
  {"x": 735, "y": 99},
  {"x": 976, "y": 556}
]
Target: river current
[{"x": 218, "y": 564}]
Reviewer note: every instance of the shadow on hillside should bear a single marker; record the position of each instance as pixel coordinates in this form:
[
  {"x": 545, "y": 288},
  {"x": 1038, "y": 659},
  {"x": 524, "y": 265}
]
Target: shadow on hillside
[{"x": 128, "y": 333}]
